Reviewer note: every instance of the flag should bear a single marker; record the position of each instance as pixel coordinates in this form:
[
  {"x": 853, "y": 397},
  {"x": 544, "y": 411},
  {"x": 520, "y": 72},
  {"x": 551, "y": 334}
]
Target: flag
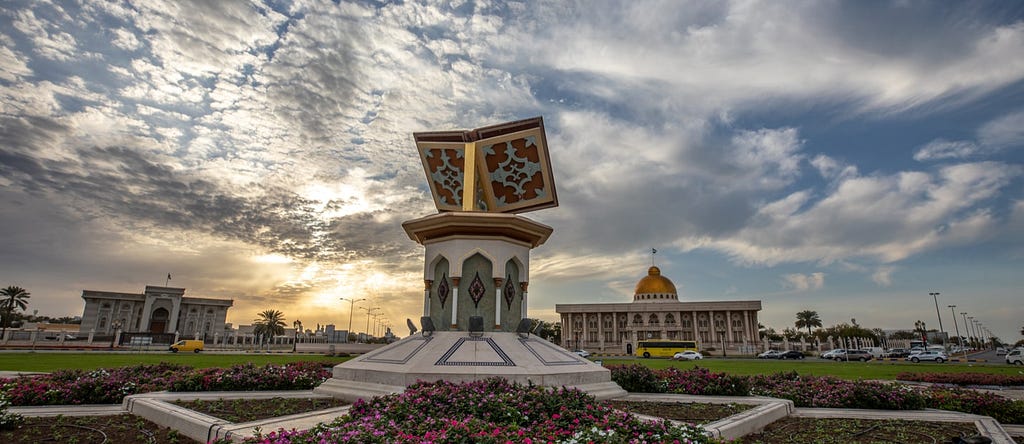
[
  {"x": 653, "y": 251},
  {"x": 168, "y": 276}
]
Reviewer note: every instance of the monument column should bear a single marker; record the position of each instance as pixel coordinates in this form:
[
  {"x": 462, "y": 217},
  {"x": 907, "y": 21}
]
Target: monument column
[
  {"x": 728, "y": 326},
  {"x": 522, "y": 286},
  {"x": 455, "y": 302},
  {"x": 147, "y": 308},
  {"x": 497, "y": 302},
  {"x": 427, "y": 283}
]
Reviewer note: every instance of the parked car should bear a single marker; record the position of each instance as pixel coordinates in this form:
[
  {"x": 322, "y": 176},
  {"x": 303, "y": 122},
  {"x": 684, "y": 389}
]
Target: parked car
[
  {"x": 770, "y": 354},
  {"x": 831, "y": 354},
  {"x": 897, "y": 353},
  {"x": 930, "y": 355},
  {"x": 186, "y": 345},
  {"x": 792, "y": 354},
  {"x": 582, "y": 353},
  {"x": 1015, "y": 356},
  {"x": 688, "y": 356},
  {"x": 1000, "y": 351},
  {"x": 853, "y": 355}
]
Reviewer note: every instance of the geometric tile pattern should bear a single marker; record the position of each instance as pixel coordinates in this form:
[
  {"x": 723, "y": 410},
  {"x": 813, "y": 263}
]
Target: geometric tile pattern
[
  {"x": 475, "y": 352},
  {"x": 550, "y": 355},
  {"x": 399, "y": 354}
]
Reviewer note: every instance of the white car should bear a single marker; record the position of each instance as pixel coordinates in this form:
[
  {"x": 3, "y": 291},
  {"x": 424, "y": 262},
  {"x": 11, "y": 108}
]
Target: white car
[
  {"x": 1015, "y": 356},
  {"x": 769, "y": 354},
  {"x": 582, "y": 353},
  {"x": 930, "y": 355},
  {"x": 688, "y": 356}
]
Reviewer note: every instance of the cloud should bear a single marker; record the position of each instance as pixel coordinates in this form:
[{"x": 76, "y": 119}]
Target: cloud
[
  {"x": 883, "y": 276},
  {"x": 879, "y": 218},
  {"x": 804, "y": 282},
  {"x": 944, "y": 149},
  {"x": 1005, "y": 132}
]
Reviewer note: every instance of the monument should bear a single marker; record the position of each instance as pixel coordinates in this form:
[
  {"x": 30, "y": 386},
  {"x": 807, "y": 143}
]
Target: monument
[{"x": 476, "y": 272}]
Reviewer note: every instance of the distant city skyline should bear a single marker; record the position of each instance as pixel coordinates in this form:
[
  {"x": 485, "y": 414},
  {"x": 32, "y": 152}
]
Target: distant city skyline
[{"x": 844, "y": 157}]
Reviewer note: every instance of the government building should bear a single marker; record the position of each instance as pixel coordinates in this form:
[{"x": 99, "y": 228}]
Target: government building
[
  {"x": 657, "y": 313},
  {"x": 157, "y": 310}
]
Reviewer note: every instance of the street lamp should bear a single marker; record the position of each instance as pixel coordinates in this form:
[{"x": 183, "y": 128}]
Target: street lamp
[
  {"x": 967, "y": 329},
  {"x": 116, "y": 325},
  {"x": 368, "y": 311},
  {"x": 935, "y": 297},
  {"x": 974, "y": 333},
  {"x": 959, "y": 339},
  {"x": 297, "y": 325},
  {"x": 351, "y": 307}
]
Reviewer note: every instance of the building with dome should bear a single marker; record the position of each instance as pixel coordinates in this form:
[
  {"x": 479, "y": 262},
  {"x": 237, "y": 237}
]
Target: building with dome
[{"x": 657, "y": 313}]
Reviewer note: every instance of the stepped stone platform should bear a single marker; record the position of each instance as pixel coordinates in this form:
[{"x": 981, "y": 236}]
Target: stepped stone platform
[{"x": 457, "y": 356}]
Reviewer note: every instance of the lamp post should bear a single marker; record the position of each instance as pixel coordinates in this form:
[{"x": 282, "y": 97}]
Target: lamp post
[
  {"x": 116, "y": 325},
  {"x": 967, "y": 330},
  {"x": 974, "y": 333},
  {"x": 959, "y": 340},
  {"x": 368, "y": 311},
  {"x": 297, "y": 325},
  {"x": 935, "y": 297},
  {"x": 351, "y": 308}
]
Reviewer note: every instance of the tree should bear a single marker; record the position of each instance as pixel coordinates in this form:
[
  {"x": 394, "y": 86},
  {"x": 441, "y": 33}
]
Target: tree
[
  {"x": 270, "y": 323},
  {"x": 13, "y": 298},
  {"x": 904, "y": 334},
  {"x": 551, "y": 332},
  {"x": 808, "y": 318}
]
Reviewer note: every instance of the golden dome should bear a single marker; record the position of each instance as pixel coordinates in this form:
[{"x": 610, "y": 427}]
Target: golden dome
[{"x": 655, "y": 283}]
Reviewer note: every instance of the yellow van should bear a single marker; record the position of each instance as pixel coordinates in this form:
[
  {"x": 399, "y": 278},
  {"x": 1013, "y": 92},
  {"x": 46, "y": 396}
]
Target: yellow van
[{"x": 187, "y": 345}]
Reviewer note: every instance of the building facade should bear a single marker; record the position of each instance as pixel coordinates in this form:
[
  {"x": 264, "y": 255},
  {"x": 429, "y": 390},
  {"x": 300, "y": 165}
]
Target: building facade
[
  {"x": 157, "y": 310},
  {"x": 657, "y": 313}
]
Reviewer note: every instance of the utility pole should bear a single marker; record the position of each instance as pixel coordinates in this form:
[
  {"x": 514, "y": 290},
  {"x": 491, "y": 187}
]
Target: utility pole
[
  {"x": 959, "y": 339},
  {"x": 935, "y": 297},
  {"x": 967, "y": 330},
  {"x": 351, "y": 307}
]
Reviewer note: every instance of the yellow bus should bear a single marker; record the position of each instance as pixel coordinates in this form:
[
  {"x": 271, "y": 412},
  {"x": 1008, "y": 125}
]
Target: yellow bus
[{"x": 663, "y": 349}]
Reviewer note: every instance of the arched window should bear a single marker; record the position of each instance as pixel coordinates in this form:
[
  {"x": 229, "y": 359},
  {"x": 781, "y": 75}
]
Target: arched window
[
  {"x": 637, "y": 319},
  {"x": 653, "y": 320},
  {"x": 669, "y": 319}
]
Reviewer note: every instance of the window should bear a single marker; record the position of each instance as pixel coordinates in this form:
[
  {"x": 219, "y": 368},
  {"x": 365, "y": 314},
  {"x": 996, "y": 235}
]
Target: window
[
  {"x": 653, "y": 320},
  {"x": 669, "y": 319},
  {"x": 103, "y": 323},
  {"x": 638, "y": 320}
]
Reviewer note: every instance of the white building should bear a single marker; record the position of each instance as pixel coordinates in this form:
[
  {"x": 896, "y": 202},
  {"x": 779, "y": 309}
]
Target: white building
[
  {"x": 657, "y": 313},
  {"x": 157, "y": 310}
]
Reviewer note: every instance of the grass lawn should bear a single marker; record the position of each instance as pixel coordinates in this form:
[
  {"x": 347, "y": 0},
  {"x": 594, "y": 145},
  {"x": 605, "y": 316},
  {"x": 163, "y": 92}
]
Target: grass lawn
[
  {"x": 820, "y": 367},
  {"x": 48, "y": 362}
]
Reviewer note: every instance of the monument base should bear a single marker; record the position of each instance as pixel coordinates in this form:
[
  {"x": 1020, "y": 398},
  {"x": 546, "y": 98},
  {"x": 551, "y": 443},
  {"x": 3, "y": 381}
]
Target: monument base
[{"x": 456, "y": 356}]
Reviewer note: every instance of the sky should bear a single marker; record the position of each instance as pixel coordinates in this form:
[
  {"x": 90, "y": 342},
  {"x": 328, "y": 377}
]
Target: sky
[{"x": 844, "y": 157}]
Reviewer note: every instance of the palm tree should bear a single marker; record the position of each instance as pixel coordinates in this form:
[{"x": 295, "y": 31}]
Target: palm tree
[
  {"x": 270, "y": 323},
  {"x": 13, "y": 297},
  {"x": 808, "y": 318}
]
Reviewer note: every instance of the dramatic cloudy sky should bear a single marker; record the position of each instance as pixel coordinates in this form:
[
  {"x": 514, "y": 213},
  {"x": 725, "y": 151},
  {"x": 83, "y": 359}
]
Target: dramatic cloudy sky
[{"x": 843, "y": 157}]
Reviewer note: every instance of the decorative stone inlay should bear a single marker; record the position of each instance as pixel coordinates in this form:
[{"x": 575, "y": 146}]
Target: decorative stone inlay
[
  {"x": 550, "y": 355},
  {"x": 515, "y": 170},
  {"x": 477, "y": 290},
  {"x": 510, "y": 292},
  {"x": 400, "y": 354},
  {"x": 445, "y": 170},
  {"x": 443, "y": 289},
  {"x": 456, "y": 356}
]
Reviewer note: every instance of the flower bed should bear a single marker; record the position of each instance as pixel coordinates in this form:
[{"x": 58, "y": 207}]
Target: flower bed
[
  {"x": 963, "y": 378},
  {"x": 488, "y": 411},
  {"x": 819, "y": 391},
  {"x": 111, "y": 385}
]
